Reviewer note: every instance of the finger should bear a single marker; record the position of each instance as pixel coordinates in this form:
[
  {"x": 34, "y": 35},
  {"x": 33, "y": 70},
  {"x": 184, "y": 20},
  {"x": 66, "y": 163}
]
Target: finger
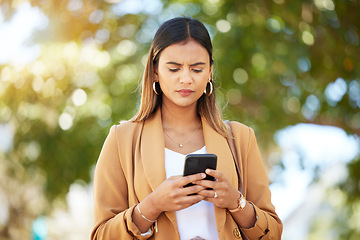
[
  {"x": 215, "y": 173},
  {"x": 175, "y": 177},
  {"x": 189, "y": 200},
  {"x": 208, "y": 194},
  {"x": 194, "y": 200},
  {"x": 191, "y": 178},
  {"x": 193, "y": 189},
  {"x": 206, "y": 183}
]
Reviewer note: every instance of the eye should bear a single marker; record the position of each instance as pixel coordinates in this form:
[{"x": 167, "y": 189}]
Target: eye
[
  {"x": 174, "y": 69},
  {"x": 197, "y": 70}
]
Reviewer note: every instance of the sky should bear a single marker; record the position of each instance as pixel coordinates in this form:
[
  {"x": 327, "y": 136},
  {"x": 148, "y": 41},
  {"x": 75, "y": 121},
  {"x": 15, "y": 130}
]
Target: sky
[
  {"x": 15, "y": 41},
  {"x": 305, "y": 149}
]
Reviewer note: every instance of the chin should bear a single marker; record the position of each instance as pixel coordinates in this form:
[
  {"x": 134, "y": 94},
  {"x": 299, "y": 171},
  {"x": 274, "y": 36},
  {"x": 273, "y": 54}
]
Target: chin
[
  {"x": 182, "y": 102},
  {"x": 185, "y": 105}
]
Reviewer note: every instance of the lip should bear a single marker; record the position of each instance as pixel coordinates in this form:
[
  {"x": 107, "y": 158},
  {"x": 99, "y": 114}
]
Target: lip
[{"x": 185, "y": 92}]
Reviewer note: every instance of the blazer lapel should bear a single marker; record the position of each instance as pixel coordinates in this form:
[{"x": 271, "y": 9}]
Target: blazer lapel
[
  {"x": 153, "y": 155},
  {"x": 217, "y": 144},
  {"x": 153, "y": 150}
]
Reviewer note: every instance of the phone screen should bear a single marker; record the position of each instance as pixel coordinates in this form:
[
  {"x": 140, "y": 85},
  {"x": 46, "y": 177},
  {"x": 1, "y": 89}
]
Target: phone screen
[{"x": 198, "y": 163}]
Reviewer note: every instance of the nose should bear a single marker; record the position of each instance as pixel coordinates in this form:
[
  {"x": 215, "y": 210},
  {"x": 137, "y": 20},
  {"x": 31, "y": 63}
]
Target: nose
[{"x": 185, "y": 77}]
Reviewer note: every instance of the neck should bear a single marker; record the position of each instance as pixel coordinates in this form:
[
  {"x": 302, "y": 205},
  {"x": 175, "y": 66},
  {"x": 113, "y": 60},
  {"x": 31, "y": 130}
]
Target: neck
[{"x": 179, "y": 117}]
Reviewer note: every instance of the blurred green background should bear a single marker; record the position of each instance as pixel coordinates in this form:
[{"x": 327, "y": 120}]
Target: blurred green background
[{"x": 70, "y": 69}]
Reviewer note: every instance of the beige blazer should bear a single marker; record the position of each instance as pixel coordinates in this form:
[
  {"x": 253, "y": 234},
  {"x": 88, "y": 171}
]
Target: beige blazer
[{"x": 132, "y": 164}]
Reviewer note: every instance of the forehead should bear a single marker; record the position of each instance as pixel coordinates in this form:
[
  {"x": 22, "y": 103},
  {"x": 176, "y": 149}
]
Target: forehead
[{"x": 185, "y": 52}]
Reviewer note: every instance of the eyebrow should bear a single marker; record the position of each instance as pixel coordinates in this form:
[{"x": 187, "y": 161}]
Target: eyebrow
[{"x": 192, "y": 65}]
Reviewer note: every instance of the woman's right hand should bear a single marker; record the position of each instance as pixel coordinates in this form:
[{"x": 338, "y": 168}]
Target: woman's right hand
[{"x": 170, "y": 195}]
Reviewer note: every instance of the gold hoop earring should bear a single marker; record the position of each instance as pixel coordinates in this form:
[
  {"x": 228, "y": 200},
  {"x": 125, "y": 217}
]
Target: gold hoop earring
[
  {"x": 211, "y": 88},
  {"x": 155, "y": 88}
]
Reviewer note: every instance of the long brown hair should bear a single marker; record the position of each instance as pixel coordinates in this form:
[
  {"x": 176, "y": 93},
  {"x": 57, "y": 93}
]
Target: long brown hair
[{"x": 173, "y": 31}]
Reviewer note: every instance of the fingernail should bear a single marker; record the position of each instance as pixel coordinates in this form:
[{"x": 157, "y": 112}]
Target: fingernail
[
  {"x": 203, "y": 175},
  {"x": 207, "y": 171}
]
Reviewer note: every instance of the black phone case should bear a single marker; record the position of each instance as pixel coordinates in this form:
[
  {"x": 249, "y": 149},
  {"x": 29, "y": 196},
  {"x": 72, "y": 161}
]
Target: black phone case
[{"x": 198, "y": 163}]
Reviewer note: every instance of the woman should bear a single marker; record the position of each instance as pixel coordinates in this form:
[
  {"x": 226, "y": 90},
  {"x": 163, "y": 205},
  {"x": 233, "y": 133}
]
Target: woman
[{"x": 138, "y": 185}]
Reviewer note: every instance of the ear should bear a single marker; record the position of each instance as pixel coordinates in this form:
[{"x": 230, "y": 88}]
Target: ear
[
  {"x": 211, "y": 72},
  {"x": 156, "y": 76}
]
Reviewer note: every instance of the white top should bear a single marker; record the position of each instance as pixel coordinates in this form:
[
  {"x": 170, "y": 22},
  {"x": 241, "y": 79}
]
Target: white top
[{"x": 199, "y": 219}]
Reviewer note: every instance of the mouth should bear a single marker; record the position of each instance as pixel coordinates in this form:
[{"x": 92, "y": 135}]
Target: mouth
[{"x": 185, "y": 92}]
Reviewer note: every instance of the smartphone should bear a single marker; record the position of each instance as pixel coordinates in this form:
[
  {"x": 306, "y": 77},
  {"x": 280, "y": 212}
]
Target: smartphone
[{"x": 198, "y": 163}]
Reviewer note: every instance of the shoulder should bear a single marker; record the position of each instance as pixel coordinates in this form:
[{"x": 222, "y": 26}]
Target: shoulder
[
  {"x": 126, "y": 129},
  {"x": 241, "y": 128},
  {"x": 242, "y": 134},
  {"x": 128, "y": 125}
]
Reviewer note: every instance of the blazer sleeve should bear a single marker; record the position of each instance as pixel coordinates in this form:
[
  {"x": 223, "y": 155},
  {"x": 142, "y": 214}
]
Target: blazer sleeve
[
  {"x": 268, "y": 224},
  {"x": 112, "y": 213}
]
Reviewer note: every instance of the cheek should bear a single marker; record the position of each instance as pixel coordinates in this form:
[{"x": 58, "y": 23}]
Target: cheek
[
  {"x": 205, "y": 78},
  {"x": 204, "y": 85},
  {"x": 165, "y": 79},
  {"x": 164, "y": 73}
]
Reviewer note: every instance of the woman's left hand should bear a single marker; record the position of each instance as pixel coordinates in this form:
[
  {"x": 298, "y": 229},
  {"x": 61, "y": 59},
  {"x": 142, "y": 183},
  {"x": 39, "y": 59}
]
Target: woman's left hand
[{"x": 223, "y": 195}]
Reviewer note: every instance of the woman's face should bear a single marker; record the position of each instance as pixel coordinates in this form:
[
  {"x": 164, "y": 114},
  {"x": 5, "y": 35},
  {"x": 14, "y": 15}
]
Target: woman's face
[{"x": 183, "y": 72}]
